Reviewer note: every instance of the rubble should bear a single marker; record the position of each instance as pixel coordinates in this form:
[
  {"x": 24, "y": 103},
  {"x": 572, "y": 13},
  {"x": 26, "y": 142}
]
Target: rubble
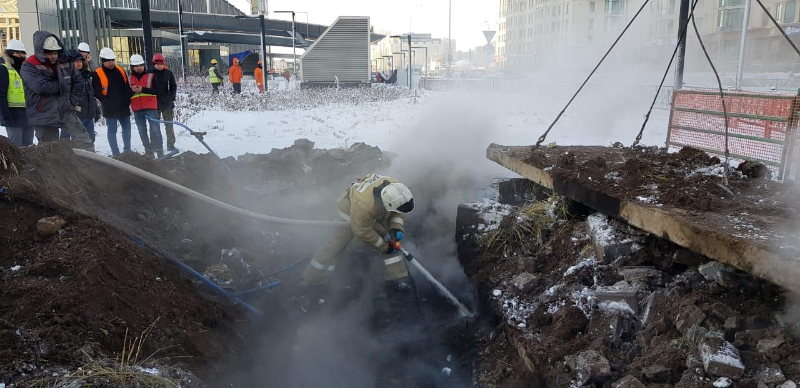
[
  {"x": 721, "y": 358},
  {"x": 628, "y": 382},
  {"x": 49, "y": 226},
  {"x": 589, "y": 366}
]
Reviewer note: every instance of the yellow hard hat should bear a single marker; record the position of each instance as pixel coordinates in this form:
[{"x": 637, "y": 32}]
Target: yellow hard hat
[{"x": 213, "y": 61}]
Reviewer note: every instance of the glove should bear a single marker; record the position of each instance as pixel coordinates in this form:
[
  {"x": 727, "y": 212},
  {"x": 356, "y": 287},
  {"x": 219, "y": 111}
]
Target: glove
[
  {"x": 390, "y": 249},
  {"x": 398, "y": 234}
]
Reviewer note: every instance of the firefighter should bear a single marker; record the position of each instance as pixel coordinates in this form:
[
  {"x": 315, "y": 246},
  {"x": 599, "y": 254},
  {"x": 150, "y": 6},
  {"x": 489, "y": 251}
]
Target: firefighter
[{"x": 373, "y": 199}]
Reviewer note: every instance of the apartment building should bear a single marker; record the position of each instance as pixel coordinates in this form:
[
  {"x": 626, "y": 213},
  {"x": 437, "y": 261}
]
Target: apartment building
[{"x": 9, "y": 21}]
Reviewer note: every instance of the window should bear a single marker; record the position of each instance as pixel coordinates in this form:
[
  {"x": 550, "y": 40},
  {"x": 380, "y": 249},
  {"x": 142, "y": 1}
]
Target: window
[
  {"x": 590, "y": 40},
  {"x": 731, "y": 3},
  {"x": 730, "y": 19},
  {"x": 616, "y": 7},
  {"x": 567, "y": 9},
  {"x": 613, "y": 23},
  {"x": 591, "y": 6},
  {"x": 591, "y": 24},
  {"x": 789, "y": 11}
]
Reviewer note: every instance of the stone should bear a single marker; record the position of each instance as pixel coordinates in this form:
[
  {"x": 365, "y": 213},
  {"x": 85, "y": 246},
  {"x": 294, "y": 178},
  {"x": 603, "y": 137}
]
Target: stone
[
  {"x": 658, "y": 374},
  {"x": 693, "y": 378},
  {"x": 695, "y": 335},
  {"x": 649, "y": 276},
  {"x": 720, "y": 358},
  {"x": 49, "y": 226},
  {"x": 525, "y": 281},
  {"x": 769, "y": 344},
  {"x": 771, "y": 374},
  {"x": 304, "y": 143},
  {"x": 721, "y": 312},
  {"x": 755, "y": 322},
  {"x": 616, "y": 293},
  {"x": 656, "y": 304},
  {"x": 722, "y": 382},
  {"x": 689, "y": 316},
  {"x": 732, "y": 323},
  {"x": 788, "y": 384},
  {"x": 712, "y": 268},
  {"x": 628, "y": 382},
  {"x": 737, "y": 281},
  {"x": 688, "y": 258},
  {"x": 692, "y": 362},
  {"x": 589, "y": 366}
]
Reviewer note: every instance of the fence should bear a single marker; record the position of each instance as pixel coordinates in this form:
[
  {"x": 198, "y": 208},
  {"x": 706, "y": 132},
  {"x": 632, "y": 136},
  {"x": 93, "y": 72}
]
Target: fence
[{"x": 762, "y": 127}]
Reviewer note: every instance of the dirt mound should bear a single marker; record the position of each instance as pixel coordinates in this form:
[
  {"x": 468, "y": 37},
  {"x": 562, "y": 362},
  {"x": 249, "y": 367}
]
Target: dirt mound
[
  {"x": 77, "y": 293},
  {"x": 9, "y": 155}
]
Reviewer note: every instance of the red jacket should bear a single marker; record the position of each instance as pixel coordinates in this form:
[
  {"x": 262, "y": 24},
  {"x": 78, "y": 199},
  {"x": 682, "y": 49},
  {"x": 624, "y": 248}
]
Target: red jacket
[{"x": 147, "y": 99}]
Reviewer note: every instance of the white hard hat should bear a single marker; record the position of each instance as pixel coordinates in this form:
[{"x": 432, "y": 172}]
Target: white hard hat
[
  {"x": 397, "y": 197},
  {"x": 137, "y": 60},
  {"x": 16, "y": 45},
  {"x": 84, "y": 47},
  {"x": 107, "y": 53},
  {"x": 51, "y": 44}
]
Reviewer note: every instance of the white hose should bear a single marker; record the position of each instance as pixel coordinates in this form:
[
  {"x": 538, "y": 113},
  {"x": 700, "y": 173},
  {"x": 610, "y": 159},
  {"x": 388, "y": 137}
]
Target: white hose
[{"x": 211, "y": 201}]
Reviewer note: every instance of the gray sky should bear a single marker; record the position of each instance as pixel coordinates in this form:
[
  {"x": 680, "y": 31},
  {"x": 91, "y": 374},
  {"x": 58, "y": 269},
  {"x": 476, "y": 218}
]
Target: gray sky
[{"x": 468, "y": 16}]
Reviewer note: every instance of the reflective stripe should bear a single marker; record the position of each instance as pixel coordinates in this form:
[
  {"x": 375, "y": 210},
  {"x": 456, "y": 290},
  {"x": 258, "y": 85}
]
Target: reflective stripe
[
  {"x": 392, "y": 260},
  {"x": 397, "y": 220},
  {"x": 378, "y": 243},
  {"x": 344, "y": 216},
  {"x": 212, "y": 75},
  {"x": 317, "y": 265}
]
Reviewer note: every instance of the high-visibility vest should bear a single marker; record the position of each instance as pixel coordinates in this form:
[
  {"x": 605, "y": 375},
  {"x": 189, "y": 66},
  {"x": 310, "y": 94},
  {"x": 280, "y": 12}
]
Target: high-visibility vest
[
  {"x": 143, "y": 101},
  {"x": 16, "y": 93},
  {"x": 212, "y": 75},
  {"x": 104, "y": 80}
]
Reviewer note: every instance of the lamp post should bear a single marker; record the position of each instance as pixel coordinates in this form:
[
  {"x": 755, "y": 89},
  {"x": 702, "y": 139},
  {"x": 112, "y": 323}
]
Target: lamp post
[
  {"x": 260, "y": 18},
  {"x": 294, "y": 46}
]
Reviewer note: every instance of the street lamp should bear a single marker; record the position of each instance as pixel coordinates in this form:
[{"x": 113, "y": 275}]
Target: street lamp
[
  {"x": 294, "y": 39},
  {"x": 263, "y": 46}
]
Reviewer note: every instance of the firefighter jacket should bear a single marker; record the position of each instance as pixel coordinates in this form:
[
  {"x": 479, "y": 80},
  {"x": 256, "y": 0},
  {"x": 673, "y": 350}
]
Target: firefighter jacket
[{"x": 362, "y": 206}]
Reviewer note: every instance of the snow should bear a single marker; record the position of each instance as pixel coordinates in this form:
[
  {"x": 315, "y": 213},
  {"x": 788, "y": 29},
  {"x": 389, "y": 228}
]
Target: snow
[
  {"x": 446, "y": 371},
  {"x": 150, "y": 371},
  {"x": 491, "y": 212},
  {"x": 727, "y": 354},
  {"x": 588, "y": 263},
  {"x": 615, "y": 306},
  {"x": 497, "y": 293},
  {"x": 723, "y": 382},
  {"x": 601, "y": 230},
  {"x": 16, "y": 268}
]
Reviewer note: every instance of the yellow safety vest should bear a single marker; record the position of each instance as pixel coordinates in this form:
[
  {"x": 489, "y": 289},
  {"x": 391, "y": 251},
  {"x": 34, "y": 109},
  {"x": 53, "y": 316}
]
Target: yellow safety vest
[
  {"x": 16, "y": 93},
  {"x": 212, "y": 75}
]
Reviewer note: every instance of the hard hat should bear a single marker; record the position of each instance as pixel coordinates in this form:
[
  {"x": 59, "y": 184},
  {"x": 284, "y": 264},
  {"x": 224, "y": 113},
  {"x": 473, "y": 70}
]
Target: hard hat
[
  {"x": 397, "y": 197},
  {"x": 108, "y": 54},
  {"x": 84, "y": 47},
  {"x": 16, "y": 45},
  {"x": 137, "y": 60},
  {"x": 158, "y": 58},
  {"x": 51, "y": 44},
  {"x": 213, "y": 61}
]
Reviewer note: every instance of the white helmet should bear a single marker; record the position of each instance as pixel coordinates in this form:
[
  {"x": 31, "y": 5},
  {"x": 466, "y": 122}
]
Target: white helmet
[
  {"x": 137, "y": 60},
  {"x": 84, "y": 47},
  {"x": 51, "y": 44},
  {"x": 16, "y": 45},
  {"x": 397, "y": 197},
  {"x": 107, "y": 53}
]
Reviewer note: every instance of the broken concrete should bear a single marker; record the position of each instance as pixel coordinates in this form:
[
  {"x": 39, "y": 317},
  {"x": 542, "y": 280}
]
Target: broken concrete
[
  {"x": 589, "y": 366},
  {"x": 721, "y": 358},
  {"x": 646, "y": 275},
  {"x": 711, "y": 269},
  {"x": 689, "y": 316},
  {"x": 628, "y": 382},
  {"x": 525, "y": 281},
  {"x": 658, "y": 374},
  {"x": 771, "y": 374}
]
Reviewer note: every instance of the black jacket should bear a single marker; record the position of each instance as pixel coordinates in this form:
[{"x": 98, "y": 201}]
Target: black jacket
[
  {"x": 10, "y": 117},
  {"x": 117, "y": 104},
  {"x": 167, "y": 89},
  {"x": 89, "y": 108}
]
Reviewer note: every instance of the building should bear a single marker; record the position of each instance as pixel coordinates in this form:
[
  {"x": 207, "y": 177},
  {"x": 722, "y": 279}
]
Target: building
[
  {"x": 532, "y": 32},
  {"x": 9, "y": 21}
]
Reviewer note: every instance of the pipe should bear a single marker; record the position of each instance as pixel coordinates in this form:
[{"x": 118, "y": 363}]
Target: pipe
[
  {"x": 198, "y": 276},
  {"x": 269, "y": 286},
  {"x": 208, "y": 200}
]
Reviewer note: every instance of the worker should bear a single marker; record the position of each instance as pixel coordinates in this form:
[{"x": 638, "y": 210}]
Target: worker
[
  {"x": 53, "y": 92},
  {"x": 85, "y": 51},
  {"x": 144, "y": 103},
  {"x": 89, "y": 112},
  {"x": 258, "y": 74},
  {"x": 12, "y": 96},
  {"x": 214, "y": 77},
  {"x": 168, "y": 92},
  {"x": 235, "y": 76},
  {"x": 110, "y": 83},
  {"x": 373, "y": 199}
]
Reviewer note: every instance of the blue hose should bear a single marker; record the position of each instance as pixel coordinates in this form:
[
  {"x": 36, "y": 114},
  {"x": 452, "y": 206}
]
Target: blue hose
[{"x": 198, "y": 276}]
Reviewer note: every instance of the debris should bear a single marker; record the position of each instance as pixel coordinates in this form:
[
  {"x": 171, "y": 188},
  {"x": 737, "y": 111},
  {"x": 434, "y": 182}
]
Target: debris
[
  {"x": 787, "y": 384},
  {"x": 497, "y": 293},
  {"x": 771, "y": 374},
  {"x": 619, "y": 292},
  {"x": 688, "y": 258},
  {"x": 721, "y": 358},
  {"x": 628, "y": 382},
  {"x": 447, "y": 371},
  {"x": 524, "y": 281},
  {"x": 769, "y": 344},
  {"x": 689, "y": 316},
  {"x": 723, "y": 382},
  {"x": 658, "y": 374},
  {"x": 49, "y": 226},
  {"x": 649, "y": 276},
  {"x": 589, "y": 366},
  {"x": 711, "y": 269},
  {"x": 16, "y": 268}
]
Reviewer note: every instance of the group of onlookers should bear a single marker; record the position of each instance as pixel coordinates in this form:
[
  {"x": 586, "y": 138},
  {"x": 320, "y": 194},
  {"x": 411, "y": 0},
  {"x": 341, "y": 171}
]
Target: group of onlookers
[
  {"x": 235, "y": 75},
  {"x": 55, "y": 93}
]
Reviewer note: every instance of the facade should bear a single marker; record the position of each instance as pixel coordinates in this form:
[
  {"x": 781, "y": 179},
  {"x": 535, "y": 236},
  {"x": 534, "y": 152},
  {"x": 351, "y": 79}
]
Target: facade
[
  {"x": 385, "y": 52},
  {"x": 531, "y": 32},
  {"x": 9, "y": 21},
  {"x": 340, "y": 55}
]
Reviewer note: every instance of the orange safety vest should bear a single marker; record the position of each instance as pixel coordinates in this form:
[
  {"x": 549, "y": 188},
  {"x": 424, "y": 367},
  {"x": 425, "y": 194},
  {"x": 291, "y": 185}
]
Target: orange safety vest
[
  {"x": 143, "y": 101},
  {"x": 104, "y": 80}
]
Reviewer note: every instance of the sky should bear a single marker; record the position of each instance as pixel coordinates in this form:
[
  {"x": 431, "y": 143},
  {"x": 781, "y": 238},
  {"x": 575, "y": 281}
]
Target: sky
[{"x": 425, "y": 16}]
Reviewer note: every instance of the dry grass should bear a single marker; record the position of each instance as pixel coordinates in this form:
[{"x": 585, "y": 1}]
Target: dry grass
[
  {"x": 524, "y": 227},
  {"x": 8, "y": 165}
]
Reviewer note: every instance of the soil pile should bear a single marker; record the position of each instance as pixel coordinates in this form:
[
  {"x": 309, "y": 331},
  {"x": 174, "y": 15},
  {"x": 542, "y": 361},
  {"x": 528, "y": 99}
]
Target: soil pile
[
  {"x": 74, "y": 288},
  {"x": 586, "y": 301}
]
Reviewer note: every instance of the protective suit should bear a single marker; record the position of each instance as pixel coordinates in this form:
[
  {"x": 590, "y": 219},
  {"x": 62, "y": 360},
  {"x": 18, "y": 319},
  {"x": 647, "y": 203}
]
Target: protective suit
[{"x": 362, "y": 206}]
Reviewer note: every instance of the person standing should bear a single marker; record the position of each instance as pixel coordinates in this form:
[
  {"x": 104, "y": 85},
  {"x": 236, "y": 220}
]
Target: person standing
[
  {"x": 12, "y": 96},
  {"x": 85, "y": 51},
  {"x": 110, "y": 84},
  {"x": 235, "y": 75},
  {"x": 214, "y": 77},
  {"x": 144, "y": 103},
  {"x": 89, "y": 112},
  {"x": 168, "y": 91},
  {"x": 258, "y": 74},
  {"x": 53, "y": 92}
]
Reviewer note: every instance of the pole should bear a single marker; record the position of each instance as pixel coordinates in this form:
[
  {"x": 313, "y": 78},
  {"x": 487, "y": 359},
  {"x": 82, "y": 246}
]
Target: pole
[
  {"x": 410, "y": 64},
  {"x": 450, "y": 37},
  {"x": 264, "y": 69},
  {"x": 147, "y": 30},
  {"x": 184, "y": 58},
  {"x": 680, "y": 59},
  {"x": 294, "y": 48},
  {"x": 743, "y": 44}
]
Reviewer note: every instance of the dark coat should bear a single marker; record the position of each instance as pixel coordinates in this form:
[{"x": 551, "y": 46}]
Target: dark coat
[
  {"x": 89, "y": 108},
  {"x": 51, "y": 91},
  {"x": 167, "y": 89},
  {"x": 10, "y": 117},
  {"x": 117, "y": 104}
]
